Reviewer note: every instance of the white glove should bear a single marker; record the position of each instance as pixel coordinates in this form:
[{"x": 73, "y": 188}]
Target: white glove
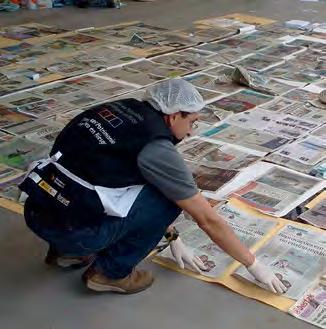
[
  {"x": 265, "y": 275},
  {"x": 181, "y": 253}
]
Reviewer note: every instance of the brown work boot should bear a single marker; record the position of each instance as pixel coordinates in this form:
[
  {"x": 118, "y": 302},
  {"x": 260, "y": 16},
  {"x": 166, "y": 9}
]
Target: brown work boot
[
  {"x": 136, "y": 281},
  {"x": 53, "y": 258}
]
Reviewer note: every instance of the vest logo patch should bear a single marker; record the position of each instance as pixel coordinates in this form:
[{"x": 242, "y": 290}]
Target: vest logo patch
[
  {"x": 63, "y": 200},
  {"x": 110, "y": 118},
  {"x": 47, "y": 188}
]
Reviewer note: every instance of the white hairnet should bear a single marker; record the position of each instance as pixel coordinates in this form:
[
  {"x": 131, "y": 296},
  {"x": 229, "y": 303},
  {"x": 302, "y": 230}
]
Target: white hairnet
[{"x": 174, "y": 95}]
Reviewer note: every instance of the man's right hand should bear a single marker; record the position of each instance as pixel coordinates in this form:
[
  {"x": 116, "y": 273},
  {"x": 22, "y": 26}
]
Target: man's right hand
[{"x": 265, "y": 275}]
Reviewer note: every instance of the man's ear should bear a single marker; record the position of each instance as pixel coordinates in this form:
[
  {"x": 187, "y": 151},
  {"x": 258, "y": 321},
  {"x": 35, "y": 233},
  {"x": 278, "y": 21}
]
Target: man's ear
[{"x": 171, "y": 119}]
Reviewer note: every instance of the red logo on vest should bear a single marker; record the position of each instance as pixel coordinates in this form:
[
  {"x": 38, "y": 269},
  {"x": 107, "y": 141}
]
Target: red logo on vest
[{"x": 111, "y": 118}]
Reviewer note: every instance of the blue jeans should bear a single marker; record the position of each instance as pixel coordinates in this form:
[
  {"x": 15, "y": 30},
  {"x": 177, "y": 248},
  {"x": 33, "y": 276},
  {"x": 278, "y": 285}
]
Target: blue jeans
[{"x": 119, "y": 243}]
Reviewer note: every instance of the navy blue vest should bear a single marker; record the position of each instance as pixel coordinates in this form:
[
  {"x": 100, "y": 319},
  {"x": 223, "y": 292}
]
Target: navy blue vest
[{"x": 101, "y": 145}]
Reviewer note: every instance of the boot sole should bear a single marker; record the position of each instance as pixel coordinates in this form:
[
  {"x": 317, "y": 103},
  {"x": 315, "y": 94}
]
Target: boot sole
[{"x": 107, "y": 288}]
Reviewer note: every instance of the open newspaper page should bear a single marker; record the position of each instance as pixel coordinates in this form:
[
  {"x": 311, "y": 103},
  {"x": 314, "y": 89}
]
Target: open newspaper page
[
  {"x": 296, "y": 254},
  {"x": 311, "y": 307},
  {"x": 214, "y": 165},
  {"x": 308, "y": 151},
  {"x": 254, "y": 119},
  {"x": 249, "y": 138},
  {"x": 210, "y": 178},
  {"x": 316, "y": 215},
  {"x": 292, "y": 164},
  {"x": 248, "y": 228},
  {"x": 218, "y": 155},
  {"x": 290, "y": 126},
  {"x": 277, "y": 191}
]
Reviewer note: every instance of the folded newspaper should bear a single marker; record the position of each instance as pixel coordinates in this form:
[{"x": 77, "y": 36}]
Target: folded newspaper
[{"x": 253, "y": 80}]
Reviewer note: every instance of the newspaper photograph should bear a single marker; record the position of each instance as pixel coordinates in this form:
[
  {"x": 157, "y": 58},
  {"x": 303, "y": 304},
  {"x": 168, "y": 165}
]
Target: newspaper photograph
[
  {"x": 291, "y": 72},
  {"x": 24, "y": 128},
  {"x": 55, "y": 90},
  {"x": 201, "y": 33},
  {"x": 242, "y": 100},
  {"x": 5, "y": 137},
  {"x": 306, "y": 111},
  {"x": 10, "y": 117},
  {"x": 19, "y": 153},
  {"x": 82, "y": 98},
  {"x": 277, "y": 190},
  {"x": 308, "y": 151},
  {"x": 281, "y": 50},
  {"x": 296, "y": 254},
  {"x": 217, "y": 79},
  {"x": 228, "y": 157},
  {"x": 185, "y": 61},
  {"x": 68, "y": 68},
  {"x": 211, "y": 115},
  {"x": 316, "y": 216},
  {"x": 195, "y": 149},
  {"x": 229, "y": 55},
  {"x": 311, "y": 306},
  {"x": 96, "y": 83},
  {"x": 211, "y": 178},
  {"x": 319, "y": 170},
  {"x": 20, "y": 99},
  {"x": 221, "y": 70},
  {"x": 277, "y": 104},
  {"x": 131, "y": 76},
  {"x": 258, "y": 62},
  {"x": 204, "y": 81},
  {"x": 146, "y": 66},
  {"x": 248, "y": 228},
  {"x": 62, "y": 119},
  {"x": 7, "y": 173},
  {"x": 42, "y": 109},
  {"x": 215, "y": 155},
  {"x": 208, "y": 95},
  {"x": 46, "y": 135},
  {"x": 301, "y": 95}
]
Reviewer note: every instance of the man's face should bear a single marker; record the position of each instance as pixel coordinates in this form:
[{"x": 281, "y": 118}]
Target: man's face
[{"x": 181, "y": 125}]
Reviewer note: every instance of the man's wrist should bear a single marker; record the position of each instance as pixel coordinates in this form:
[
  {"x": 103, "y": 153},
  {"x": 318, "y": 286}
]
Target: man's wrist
[{"x": 251, "y": 260}]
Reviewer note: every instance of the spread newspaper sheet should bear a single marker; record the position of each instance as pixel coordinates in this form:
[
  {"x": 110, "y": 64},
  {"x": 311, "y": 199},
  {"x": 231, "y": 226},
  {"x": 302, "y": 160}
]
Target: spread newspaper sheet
[{"x": 296, "y": 251}]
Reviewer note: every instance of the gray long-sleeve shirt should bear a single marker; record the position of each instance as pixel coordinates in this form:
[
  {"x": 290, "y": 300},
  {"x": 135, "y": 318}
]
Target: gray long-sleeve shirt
[{"x": 162, "y": 166}]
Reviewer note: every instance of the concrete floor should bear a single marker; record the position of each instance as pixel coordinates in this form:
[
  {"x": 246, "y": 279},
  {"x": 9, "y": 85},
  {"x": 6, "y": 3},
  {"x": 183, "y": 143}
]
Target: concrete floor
[
  {"x": 168, "y": 13},
  {"x": 36, "y": 297}
]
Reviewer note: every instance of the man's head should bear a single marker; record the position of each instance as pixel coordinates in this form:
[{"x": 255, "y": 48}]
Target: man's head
[{"x": 180, "y": 101}]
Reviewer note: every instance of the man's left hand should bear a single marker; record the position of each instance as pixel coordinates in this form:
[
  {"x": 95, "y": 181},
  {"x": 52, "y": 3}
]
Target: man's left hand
[{"x": 182, "y": 254}]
